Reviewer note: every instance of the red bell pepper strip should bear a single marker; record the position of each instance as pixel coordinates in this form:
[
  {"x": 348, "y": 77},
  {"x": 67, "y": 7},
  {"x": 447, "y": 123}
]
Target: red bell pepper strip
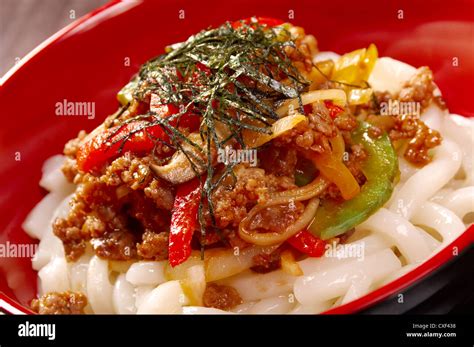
[
  {"x": 307, "y": 243},
  {"x": 107, "y": 144},
  {"x": 334, "y": 110},
  {"x": 184, "y": 221},
  {"x": 188, "y": 120},
  {"x": 268, "y": 21}
]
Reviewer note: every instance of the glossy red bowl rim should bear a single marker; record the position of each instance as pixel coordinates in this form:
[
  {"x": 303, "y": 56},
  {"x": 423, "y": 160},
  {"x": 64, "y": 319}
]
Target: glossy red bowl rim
[{"x": 403, "y": 282}]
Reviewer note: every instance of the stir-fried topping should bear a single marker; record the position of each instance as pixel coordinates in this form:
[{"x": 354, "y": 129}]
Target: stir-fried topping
[{"x": 325, "y": 161}]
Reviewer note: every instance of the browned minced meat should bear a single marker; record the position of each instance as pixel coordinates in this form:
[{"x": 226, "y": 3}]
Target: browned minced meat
[
  {"x": 226, "y": 237},
  {"x": 70, "y": 149},
  {"x": 278, "y": 160},
  {"x": 263, "y": 263},
  {"x": 232, "y": 200},
  {"x": 154, "y": 246},
  {"x": 277, "y": 218},
  {"x": 419, "y": 88},
  {"x": 315, "y": 133},
  {"x": 304, "y": 50},
  {"x": 420, "y": 137},
  {"x": 60, "y": 303},
  {"x": 113, "y": 209},
  {"x": 221, "y": 297},
  {"x": 357, "y": 157}
]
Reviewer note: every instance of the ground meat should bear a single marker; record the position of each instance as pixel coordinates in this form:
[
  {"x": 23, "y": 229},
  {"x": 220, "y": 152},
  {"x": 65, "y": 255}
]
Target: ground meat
[
  {"x": 161, "y": 193},
  {"x": 226, "y": 238},
  {"x": 357, "y": 156},
  {"x": 133, "y": 171},
  {"x": 115, "y": 245},
  {"x": 421, "y": 138},
  {"x": 278, "y": 160},
  {"x": 232, "y": 200},
  {"x": 69, "y": 169},
  {"x": 315, "y": 133},
  {"x": 419, "y": 88},
  {"x": 71, "y": 147},
  {"x": 221, "y": 297},
  {"x": 154, "y": 246},
  {"x": 303, "y": 51},
  {"x": 113, "y": 209},
  {"x": 277, "y": 218},
  {"x": 264, "y": 263},
  {"x": 60, "y": 303},
  {"x": 69, "y": 231}
]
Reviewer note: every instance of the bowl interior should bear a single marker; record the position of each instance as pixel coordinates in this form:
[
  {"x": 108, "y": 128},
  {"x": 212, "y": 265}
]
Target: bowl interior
[{"x": 93, "y": 59}]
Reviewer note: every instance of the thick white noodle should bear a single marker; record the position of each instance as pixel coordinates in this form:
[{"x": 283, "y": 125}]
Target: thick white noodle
[
  {"x": 461, "y": 201},
  {"x": 53, "y": 179},
  {"x": 99, "y": 288},
  {"x": 146, "y": 273},
  {"x": 203, "y": 310},
  {"x": 253, "y": 286},
  {"x": 124, "y": 296},
  {"x": 167, "y": 298},
  {"x": 439, "y": 218},
  {"x": 401, "y": 232},
  {"x": 54, "y": 276},
  {"x": 274, "y": 305},
  {"x": 428, "y": 180},
  {"x": 333, "y": 283}
]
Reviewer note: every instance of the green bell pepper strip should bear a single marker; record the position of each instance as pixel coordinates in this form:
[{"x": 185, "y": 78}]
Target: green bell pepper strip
[
  {"x": 380, "y": 170},
  {"x": 305, "y": 173}
]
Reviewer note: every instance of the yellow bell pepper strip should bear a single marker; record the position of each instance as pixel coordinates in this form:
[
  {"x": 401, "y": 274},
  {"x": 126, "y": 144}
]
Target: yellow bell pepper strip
[
  {"x": 380, "y": 169},
  {"x": 125, "y": 95},
  {"x": 355, "y": 67},
  {"x": 331, "y": 166}
]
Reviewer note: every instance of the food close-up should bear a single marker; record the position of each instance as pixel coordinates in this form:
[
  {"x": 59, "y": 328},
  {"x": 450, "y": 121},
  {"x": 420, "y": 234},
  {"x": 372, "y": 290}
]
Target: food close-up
[{"x": 247, "y": 164}]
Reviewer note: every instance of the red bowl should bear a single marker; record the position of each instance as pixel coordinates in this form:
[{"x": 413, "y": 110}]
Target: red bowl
[{"x": 86, "y": 62}]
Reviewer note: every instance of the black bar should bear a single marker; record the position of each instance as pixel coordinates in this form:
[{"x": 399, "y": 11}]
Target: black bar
[{"x": 246, "y": 330}]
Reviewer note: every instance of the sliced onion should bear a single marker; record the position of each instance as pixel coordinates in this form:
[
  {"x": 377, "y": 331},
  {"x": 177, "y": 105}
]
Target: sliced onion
[
  {"x": 273, "y": 238},
  {"x": 338, "y": 96},
  {"x": 331, "y": 166},
  {"x": 180, "y": 272},
  {"x": 289, "y": 265},
  {"x": 315, "y": 188},
  {"x": 359, "y": 96},
  {"x": 179, "y": 168},
  {"x": 222, "y": 263},
  {"x": 254, "y": 139},
  {"x": 194, "y": 284}
]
